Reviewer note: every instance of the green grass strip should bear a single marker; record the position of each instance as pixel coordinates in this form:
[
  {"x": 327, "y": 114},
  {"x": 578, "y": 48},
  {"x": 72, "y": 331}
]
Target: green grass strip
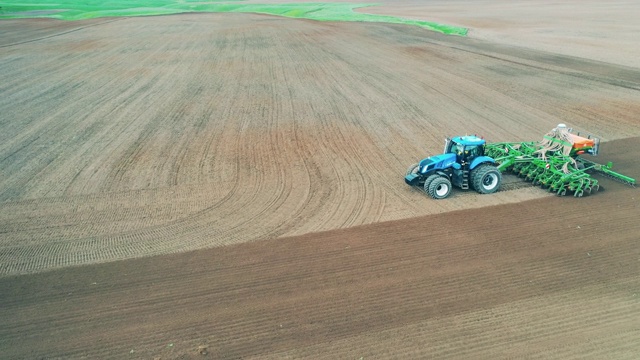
[{"x": 90, "y": 9}]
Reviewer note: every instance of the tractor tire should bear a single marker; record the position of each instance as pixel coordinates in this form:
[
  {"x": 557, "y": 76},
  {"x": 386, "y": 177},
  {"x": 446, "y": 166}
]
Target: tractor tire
[
  {"x": 486, "y": 179},
  {"x": 427, "y": 182},
  {"x": 413, "y": 169},
  {"x": 439, "y": 188}
]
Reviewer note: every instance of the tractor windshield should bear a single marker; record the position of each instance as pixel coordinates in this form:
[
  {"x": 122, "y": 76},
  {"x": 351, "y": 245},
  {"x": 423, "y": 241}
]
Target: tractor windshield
[
  {"x": 473, "y": 151},
  {"x": 458, "y": 148}
]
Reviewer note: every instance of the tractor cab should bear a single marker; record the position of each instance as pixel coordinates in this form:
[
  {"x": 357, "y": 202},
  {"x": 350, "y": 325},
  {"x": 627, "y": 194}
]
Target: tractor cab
[{"x": 466, "y": 148}]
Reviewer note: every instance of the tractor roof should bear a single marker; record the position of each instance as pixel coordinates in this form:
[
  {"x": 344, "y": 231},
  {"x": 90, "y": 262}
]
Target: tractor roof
[{"x": 469, "y": 140}]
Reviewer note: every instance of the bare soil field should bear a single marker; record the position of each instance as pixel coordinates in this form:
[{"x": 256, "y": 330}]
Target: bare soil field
[
  {"x": 547, "y": 278},
  {"x": 235, "y": 181},
  {"x": 592, "y": 29}
]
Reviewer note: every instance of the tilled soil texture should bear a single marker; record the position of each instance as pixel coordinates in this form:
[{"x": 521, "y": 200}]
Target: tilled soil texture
[
  {"x": 583, "y": 28},
  {"x": 552, "y": 278},
  {"x": 127, "y": 137}
]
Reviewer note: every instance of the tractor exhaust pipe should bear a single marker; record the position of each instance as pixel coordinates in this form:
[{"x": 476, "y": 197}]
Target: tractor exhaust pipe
[{"x": 447, "y": 145}]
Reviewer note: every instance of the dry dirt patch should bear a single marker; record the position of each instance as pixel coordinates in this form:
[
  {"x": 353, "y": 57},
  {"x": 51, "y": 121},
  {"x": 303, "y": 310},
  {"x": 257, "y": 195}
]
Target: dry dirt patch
[
  {"x": 147, "y": 136},
  {"x": 597, "y": 30}
]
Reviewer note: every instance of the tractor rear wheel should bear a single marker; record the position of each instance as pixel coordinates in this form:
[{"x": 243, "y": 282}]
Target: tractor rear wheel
[
  {"x": 439, "y": 188},
  {"x": 486, "y": 179}
]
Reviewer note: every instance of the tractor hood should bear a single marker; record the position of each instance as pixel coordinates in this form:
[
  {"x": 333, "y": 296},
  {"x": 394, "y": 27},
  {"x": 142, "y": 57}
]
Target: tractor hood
[{"x": 442, "y": 161}]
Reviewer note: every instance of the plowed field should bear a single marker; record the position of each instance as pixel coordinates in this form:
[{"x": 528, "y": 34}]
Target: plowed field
[{"x": 235, "y": 181}]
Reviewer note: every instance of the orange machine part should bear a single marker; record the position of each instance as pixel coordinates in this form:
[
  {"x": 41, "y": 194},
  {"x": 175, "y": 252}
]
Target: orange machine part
[{"x": 581, "y": 142}]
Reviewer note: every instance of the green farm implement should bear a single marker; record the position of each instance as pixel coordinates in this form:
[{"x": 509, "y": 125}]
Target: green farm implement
[{"x": 556, "y": 163}]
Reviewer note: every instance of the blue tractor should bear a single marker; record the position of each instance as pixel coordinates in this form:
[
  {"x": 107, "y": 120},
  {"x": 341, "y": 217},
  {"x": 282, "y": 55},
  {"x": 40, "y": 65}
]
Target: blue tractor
[{"x": 463, "y": 164}]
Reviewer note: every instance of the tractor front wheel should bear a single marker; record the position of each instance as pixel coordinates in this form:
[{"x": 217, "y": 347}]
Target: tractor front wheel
[
  {"x": 439, "y": 188},
  {"x": 486, "y": 179},
  {"x": 428, "y": 182}
]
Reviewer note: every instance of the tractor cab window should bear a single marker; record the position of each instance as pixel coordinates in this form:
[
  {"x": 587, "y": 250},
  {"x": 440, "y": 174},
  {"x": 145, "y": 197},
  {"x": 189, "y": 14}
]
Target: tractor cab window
[
  {"x": 459, "y": 149},
  {"x": 471, "y": 152}
]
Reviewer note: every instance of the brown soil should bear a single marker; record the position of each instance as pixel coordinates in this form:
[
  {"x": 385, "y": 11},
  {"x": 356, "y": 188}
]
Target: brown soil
[
  {"x": 287, "y": 140},
  {"x": 589, "y": 29}
]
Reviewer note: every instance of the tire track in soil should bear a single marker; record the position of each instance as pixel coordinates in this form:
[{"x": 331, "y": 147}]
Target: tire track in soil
[
  {"x": 263, "y": 130},
  {"x": 389, "y": 288},
  {"x": 63, "y": 127},
  {"x": 488, "y": 333}
]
